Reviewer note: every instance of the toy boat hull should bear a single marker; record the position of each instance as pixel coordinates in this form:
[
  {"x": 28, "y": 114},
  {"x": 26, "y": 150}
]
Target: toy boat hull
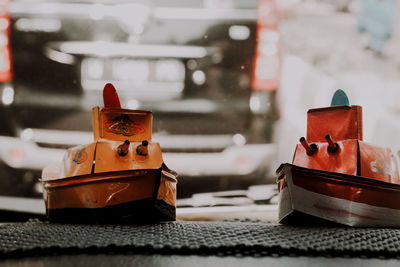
[
  {"x": 309, "y": 196},
  {"x": 137, "y": 196}
]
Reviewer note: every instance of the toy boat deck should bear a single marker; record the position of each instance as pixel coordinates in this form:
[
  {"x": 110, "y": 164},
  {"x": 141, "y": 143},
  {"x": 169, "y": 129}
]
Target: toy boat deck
[{"x": 336, "y": 177}]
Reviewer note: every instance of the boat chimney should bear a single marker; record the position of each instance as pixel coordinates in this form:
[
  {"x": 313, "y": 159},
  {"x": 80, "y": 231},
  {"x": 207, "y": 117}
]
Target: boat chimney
[
  {"x": 142, "y": 148},
  {"x": 123, "y": 149},
  {"x": 311, "y": 149},
  {"x": 332, "y": 146}
]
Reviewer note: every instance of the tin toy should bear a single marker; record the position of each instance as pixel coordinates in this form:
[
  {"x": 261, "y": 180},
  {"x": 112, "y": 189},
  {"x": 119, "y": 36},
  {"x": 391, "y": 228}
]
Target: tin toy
[
  {"x": 120, "y": 177},
  {"x": 336, "y": 177}
]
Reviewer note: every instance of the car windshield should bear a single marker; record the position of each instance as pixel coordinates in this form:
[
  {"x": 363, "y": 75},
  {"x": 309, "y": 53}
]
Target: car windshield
[{"x": 228, "y": 82}]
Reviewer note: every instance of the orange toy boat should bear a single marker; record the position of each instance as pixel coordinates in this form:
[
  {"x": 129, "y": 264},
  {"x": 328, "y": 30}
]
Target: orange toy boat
[
  {"x": 337, "y": 177},
  {"x": 120, "y": 177}
]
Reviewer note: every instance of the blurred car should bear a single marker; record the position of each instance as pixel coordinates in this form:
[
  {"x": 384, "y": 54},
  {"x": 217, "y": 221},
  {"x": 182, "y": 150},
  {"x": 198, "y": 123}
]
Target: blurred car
[{"x": 209, "y": 71}]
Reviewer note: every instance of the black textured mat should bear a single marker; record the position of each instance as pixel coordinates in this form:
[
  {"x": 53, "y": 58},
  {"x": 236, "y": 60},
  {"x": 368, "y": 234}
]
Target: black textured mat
[{"x": 236, "y": 238}]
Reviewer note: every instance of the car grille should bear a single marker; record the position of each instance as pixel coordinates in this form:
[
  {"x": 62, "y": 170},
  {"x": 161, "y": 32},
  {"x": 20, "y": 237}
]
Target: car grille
[{"x": 174, "y": 143}]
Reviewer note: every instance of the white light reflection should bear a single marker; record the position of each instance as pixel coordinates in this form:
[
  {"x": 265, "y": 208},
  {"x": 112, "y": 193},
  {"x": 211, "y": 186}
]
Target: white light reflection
[
  {"x": 95, "y": 68},
  {"x": 37, "y": 25},
  {"x": 269, "y": 36},
  {"x": 199, "y": 77},
  {"x": 4, "y": 23},
  {"x": 239, "y": 139},
  {"x": 170, "y": 70},
  {"x": 132, "y": 16},
  {"x": 3, "y": 39},
  {"x": 267, "y": 67},
  {"x": 59, "y": 56},
  {"x": 137, "y": 70},
  {"x": 114, "y": 49},
  {"x": 133, "y": 104},
  {"x": 239, "y": 32},
  {"x": 27, "y": 134},
  {"x": 38, "y": 188},
  {"x": 255, "y": 103},
  {"x": 8, "y": 95},
  {"x": 269, "y": 49}
]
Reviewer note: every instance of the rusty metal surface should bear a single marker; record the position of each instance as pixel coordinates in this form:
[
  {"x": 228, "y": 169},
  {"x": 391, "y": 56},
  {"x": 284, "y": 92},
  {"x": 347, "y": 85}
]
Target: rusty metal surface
[
  {"x": 341, "y": 122},
  {"x": 343, "y": 161}
]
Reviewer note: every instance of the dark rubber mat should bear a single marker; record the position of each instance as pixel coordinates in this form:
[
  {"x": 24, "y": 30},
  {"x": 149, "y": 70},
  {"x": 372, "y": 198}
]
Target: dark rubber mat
[{"x": 237, "y": 238}]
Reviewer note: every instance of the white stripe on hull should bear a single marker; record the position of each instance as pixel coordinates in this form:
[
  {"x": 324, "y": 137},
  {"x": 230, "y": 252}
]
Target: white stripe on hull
[{"x": 334, "y": 209}]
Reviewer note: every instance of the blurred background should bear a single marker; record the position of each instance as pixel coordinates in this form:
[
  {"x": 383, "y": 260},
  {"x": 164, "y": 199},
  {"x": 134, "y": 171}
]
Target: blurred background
[{"x": 229, "y": 82}]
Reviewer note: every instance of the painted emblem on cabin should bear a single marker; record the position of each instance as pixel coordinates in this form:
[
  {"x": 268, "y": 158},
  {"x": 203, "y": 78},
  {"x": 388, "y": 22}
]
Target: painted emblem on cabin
[
  {"x": 380, "y": 166},
  {"x": 123, "y": 125}
]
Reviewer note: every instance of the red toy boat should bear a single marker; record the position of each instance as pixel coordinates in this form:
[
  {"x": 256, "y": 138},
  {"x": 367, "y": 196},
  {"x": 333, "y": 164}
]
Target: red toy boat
[{"x": 336, "y": 177}]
